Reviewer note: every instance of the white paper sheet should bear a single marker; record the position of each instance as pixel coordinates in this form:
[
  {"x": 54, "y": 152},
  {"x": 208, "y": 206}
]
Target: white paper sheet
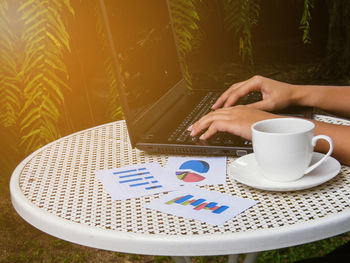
[
  {"x": 201, "y": 204},
  {"x": 134, "y": 181},
  {"x": 196, "y": 170}
]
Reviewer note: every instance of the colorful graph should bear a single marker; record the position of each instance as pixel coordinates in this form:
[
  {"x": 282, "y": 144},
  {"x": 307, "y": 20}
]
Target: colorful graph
[
  {"x": 198, "y": 204},
  {"x": 199, "y": 167},
  {"x": 140, "y": 177}
]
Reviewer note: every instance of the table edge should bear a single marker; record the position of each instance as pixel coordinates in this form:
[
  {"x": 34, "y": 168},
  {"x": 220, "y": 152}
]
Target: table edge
[{"x": 184, "y": 245}]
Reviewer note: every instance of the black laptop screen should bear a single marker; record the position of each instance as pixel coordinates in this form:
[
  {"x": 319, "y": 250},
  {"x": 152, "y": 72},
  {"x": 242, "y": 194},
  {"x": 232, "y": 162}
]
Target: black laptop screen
[{"x": 146, "y": 50}]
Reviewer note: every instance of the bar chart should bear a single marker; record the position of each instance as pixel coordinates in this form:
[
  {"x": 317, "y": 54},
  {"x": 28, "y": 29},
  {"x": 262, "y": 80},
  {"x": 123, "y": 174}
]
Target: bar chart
[
  {"x": 198, "y": 204},
  {"x": 137, "y": 178}
]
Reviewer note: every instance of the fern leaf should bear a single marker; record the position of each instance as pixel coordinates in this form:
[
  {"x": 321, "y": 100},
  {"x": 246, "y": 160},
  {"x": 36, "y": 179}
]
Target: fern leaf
[
  {"x": 44, "y": 72},
  {"x": 31, "y": 117},
  {"x": 54, "y": 39},
  {"x": 68, "y": 6},
  {"x": 9, "y": 86},
  {"x": 55, "y": 89},
  {"x": 34, "y": 18},
  {"x": 305, "y": 21}
]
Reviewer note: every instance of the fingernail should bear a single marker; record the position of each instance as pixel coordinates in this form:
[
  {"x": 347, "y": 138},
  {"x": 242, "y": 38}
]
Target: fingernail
[
  {"x": 202, "y": 137},
  {"x": 192, "y": 133},
  {"x": 190, "y": 128}
]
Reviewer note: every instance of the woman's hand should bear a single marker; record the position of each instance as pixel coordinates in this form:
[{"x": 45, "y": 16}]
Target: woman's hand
[
  {"x": 236, "y": 120},
  {"x": 276, "y": 95}
]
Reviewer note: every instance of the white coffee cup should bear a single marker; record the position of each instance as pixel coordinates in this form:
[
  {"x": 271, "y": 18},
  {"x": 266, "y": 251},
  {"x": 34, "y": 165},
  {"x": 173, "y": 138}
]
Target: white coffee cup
[{"x": 283, "y": 148}]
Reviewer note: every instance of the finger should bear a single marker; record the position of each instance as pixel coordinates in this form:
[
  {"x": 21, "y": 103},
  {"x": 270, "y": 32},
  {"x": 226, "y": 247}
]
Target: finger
[
  {"x": 206, "y": 121},
  {"x": 218, "y": 126},
  {"x": 200, "y": 125},
  {"x": 212, "y": 129},
  {"x": 253, "y": 84},
  {"x": 234, "y": 97},
  {"x": 221, "y": 100}
]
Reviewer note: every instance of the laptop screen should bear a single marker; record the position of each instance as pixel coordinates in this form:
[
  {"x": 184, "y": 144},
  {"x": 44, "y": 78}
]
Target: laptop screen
[{"x": 146, "y": 50}]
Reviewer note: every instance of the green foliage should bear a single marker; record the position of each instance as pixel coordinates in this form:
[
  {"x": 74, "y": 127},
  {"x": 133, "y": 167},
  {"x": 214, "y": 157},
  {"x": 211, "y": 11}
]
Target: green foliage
[
  {"x": 241, "y": 16},
  {"x": 32, "y": 71},
  {"x": 33, "y": 41},
  {"x": 185, "y": 19},
  {"x": 45, "y": 75},
  {"x": 305, "y": 22},
  {"x": 9, "y": 75},
  {"x": 10, "y": 89},
  {"x": 115, "y": 108}
]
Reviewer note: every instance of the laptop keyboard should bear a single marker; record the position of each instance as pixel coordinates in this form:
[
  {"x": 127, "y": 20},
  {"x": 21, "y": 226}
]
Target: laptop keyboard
[{"x": 181, "y": 135}]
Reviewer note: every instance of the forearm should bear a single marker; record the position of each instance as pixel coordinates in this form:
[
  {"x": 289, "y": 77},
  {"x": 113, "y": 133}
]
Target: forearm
[
  {"x": 330, "y": 98},
  {"x": 341, "y": 139}
]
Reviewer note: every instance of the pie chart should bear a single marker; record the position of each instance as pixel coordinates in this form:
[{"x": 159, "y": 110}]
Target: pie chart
[{"x": 192, "y": 171}]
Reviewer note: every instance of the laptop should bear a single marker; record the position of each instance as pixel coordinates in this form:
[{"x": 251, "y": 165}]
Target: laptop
[{"x": 157, "y": 104}]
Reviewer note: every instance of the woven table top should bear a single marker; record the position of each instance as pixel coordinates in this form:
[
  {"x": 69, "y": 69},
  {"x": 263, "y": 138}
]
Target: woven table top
[{"x": 59, "y": 179}]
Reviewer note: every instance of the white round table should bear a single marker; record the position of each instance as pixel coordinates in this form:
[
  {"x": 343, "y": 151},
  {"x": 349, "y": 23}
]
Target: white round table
[{"x": 55, "y": 189}]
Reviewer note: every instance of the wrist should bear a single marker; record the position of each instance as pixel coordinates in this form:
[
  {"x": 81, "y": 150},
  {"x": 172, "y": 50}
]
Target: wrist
[{"x": 299, "y": 95}]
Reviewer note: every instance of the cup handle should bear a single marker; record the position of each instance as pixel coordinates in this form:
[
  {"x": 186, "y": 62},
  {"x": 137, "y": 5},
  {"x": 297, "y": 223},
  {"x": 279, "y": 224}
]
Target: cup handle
[{"x": 313, "y": 142}]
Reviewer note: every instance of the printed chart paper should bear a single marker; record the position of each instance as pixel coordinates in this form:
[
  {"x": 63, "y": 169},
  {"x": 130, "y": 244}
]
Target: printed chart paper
[
  {"x": 134, "y": 181},
  {"x": 201, "y": 204},
  {"x": 196, "y": 170}
]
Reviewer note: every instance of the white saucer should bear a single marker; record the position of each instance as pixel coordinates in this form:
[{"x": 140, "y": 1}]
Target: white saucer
[{"x": 246, "y": 171}]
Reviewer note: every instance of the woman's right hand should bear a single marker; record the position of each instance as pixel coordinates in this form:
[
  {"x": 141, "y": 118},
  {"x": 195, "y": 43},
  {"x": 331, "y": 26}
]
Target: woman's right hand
[{"x": 276, "y": 95}]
